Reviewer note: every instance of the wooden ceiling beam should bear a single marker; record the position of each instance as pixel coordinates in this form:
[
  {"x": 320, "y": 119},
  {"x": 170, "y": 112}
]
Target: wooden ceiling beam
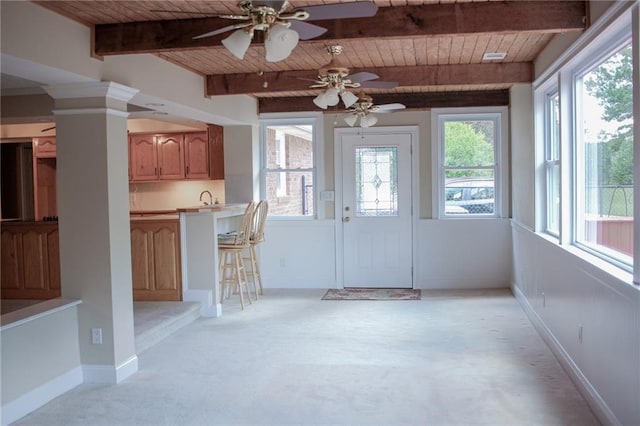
[
  {"x": 427, "y": 75},
  {"x": 397, "y": 21},
  {"x": 410, "y": 100}
]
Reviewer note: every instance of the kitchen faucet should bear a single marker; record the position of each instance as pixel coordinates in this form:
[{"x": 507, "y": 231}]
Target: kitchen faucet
[{"x": 210, "y": 197}]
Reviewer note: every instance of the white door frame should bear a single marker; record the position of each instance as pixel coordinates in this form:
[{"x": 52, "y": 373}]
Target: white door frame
[{"x": 338, "y": 133}]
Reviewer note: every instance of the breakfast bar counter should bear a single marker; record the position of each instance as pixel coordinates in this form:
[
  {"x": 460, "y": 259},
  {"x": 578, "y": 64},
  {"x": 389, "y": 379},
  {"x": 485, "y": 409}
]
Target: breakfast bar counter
[{"x": 199, "y": 230}]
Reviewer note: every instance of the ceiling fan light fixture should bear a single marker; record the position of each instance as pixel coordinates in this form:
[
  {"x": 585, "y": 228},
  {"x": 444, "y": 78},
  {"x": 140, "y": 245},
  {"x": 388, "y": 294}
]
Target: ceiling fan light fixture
[
  {"x": 368, "y": 120},
  {"x": 351, "y": 119},
  {"x": 321, "y": 101},
  {"x": 280, "y": 43},
  {"x": 238, "y": 43},
  {"x": 332, "y": 96},
  {"x": 348, "y": 99}
]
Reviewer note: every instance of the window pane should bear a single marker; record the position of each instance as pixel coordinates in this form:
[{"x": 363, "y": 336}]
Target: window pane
[
  {"x": 290, "y": 193},
  {"x": 605, "y": 188},
  {"x": 469, "y": 191},
  {"x": 289, "y": 168},
  {"x": 552, "y": 149},
  {"x": 377, "y": 181},
  {"x": 289, "y": 147},
  {"x": 553, "y": 198},
  {"x": 553, "y": 127},
  {"x": 469, "y": 143}
]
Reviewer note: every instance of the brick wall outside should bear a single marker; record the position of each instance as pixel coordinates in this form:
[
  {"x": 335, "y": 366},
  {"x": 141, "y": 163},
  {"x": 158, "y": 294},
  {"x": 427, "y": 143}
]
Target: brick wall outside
[{"x": 299, "y": 154}]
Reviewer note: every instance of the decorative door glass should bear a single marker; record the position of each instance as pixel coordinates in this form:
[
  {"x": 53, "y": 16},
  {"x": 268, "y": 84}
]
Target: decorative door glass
[{"x": 377, "y": 181}]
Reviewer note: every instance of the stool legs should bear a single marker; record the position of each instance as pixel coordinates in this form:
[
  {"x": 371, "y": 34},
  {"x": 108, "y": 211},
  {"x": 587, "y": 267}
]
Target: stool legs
[
  {"x": 233, "y": 274},
  {"x": 255, "y": 270}
]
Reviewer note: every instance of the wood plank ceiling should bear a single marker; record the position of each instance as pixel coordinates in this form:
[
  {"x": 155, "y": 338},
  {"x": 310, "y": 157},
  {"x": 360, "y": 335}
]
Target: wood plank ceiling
[{"x": 433, "y": 48}]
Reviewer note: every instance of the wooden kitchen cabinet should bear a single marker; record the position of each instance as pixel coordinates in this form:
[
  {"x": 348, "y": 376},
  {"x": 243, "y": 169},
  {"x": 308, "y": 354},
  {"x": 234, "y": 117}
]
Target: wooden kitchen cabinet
[
  {"x": 44, "y": 177},
  {"x": 30, "y": 260},
  {"x": 196, "y": 156},
  {"x": 155, "y": 260},
  {"x": 143, "y": 158},
  {"x": 179, "y": 156},
  {"x": 170, "y": 157},
  {"x": 44, "y": 147}
]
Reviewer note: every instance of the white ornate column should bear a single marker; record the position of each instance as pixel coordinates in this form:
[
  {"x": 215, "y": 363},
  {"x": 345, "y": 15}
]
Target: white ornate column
[{"x": 93, "y": 211}]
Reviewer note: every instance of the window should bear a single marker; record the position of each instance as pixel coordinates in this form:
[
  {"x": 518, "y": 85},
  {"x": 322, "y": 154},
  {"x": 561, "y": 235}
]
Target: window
[
  {"x": 468, "y": 154},
  {"x": 585, "y": 144},
  {"x": 377, "y": 181},
  {"x": 288, "y": 166},
  {"x": 552, "y": 162},
  {"x": 604, "y": 156}
]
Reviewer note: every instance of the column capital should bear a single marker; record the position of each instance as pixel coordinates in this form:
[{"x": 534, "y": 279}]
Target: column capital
[{"x": 106, "y": 89}]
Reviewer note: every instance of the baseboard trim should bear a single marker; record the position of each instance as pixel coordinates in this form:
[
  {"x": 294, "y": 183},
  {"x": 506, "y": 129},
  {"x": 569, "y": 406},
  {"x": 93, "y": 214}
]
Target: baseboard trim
[
  {"x": 41, "y": 395},
  {"x": 205, "y": 297},
  {"x": 595, "y": 401},
  {"x": 109, "y": 374}
]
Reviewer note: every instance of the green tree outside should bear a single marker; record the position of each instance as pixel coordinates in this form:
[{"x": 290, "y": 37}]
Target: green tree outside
[
  {"x": 466, "y": 145},
  {"x": 611, "y": 84}
]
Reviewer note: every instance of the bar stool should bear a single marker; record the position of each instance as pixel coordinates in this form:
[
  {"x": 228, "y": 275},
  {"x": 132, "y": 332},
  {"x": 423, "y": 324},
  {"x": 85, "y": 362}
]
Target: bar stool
[
  {"x": 255, "y": 238},
  {"x": 231, "y": 266}
]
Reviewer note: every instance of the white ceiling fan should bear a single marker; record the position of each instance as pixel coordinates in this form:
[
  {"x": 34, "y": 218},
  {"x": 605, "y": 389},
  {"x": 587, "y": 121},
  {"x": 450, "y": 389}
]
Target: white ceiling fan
[
  {"x": 282, "y": 29},
  {"x": 361, "y": 112},
  {"x": 335, "y": 78}
]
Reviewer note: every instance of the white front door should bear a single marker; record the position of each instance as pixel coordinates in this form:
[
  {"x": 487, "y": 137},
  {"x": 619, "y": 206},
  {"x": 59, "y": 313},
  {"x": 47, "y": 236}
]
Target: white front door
[{"x": 376, "y": 209}]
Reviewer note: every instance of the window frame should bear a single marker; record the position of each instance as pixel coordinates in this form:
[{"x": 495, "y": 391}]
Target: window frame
[
  {"x": 315, "y": 120},
  {"x": 552, "y": 159},
  {"x": 582, "y": 67},
  {"x": 499, "y": 115},
  {"x": 614, "y": 30}
]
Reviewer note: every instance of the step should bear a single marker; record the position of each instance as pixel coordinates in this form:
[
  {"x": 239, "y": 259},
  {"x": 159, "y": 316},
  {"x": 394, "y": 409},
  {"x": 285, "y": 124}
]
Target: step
[{"x": 154, "y": 321}]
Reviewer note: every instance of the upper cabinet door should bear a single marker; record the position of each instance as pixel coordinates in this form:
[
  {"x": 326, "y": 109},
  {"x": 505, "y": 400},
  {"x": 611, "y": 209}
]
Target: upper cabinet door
[
  {"x": 44, "y": 147},
  {"x": 143, "y": 158},
  {"x": 170, "y": 157},
  {"x": 196, "y": 155}
]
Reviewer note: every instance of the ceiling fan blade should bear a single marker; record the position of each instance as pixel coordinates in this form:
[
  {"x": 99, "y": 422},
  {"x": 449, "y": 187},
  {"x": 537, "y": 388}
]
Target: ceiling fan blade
[
  {"x": 389, "y": 107},
  {"x": 307, "y": 31},
  {"x": 357, "y": 9},
  {"x": 379, "y": 84},
  {"x": 309, "y": 79},
  {"x": 222, "y": 30},
  {"x": 359, "y": 77},
  {"x": 195, "y": 12}
]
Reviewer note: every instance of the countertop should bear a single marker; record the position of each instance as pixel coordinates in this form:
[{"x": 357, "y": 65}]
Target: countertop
[
  {"x": 212, "y": 208},
  {"x": 151, "y": 212}
]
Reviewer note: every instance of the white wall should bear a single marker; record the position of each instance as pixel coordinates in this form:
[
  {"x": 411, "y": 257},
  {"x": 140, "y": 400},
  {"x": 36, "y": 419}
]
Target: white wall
[
  {"x": 463, "y": 254},
  {"x": 32, "y": 37},
  {"x": 585, "y": 309},
  {"x": 241, "y": 163},
  {"x": 522, "y": 154},
  {"x": 40, "y": 360},
  {"x": 567, "y": 297},
  {"x": 298, "y": 254},
  {"x": 302, "y": 253}
]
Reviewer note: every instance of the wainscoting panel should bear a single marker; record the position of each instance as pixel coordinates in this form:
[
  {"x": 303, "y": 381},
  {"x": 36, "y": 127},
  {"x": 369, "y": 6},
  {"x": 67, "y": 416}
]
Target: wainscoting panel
[
  {"x": 463, "y": 254},
  {"x": 590, "y": 317}
]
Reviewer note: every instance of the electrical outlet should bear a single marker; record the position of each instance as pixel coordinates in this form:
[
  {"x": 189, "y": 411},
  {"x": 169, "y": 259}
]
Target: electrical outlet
[
  {"x": 96, "y": 336},
  {"x": 282, "y": 262}
]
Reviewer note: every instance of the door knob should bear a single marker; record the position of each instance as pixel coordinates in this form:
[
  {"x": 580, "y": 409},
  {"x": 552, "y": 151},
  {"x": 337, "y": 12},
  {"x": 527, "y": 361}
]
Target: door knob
[{"x": 346, "y": 219}]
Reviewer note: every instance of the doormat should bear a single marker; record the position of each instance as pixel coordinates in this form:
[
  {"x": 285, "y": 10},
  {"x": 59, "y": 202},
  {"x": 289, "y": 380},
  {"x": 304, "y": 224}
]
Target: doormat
[{"x": 372, "y": 294}]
